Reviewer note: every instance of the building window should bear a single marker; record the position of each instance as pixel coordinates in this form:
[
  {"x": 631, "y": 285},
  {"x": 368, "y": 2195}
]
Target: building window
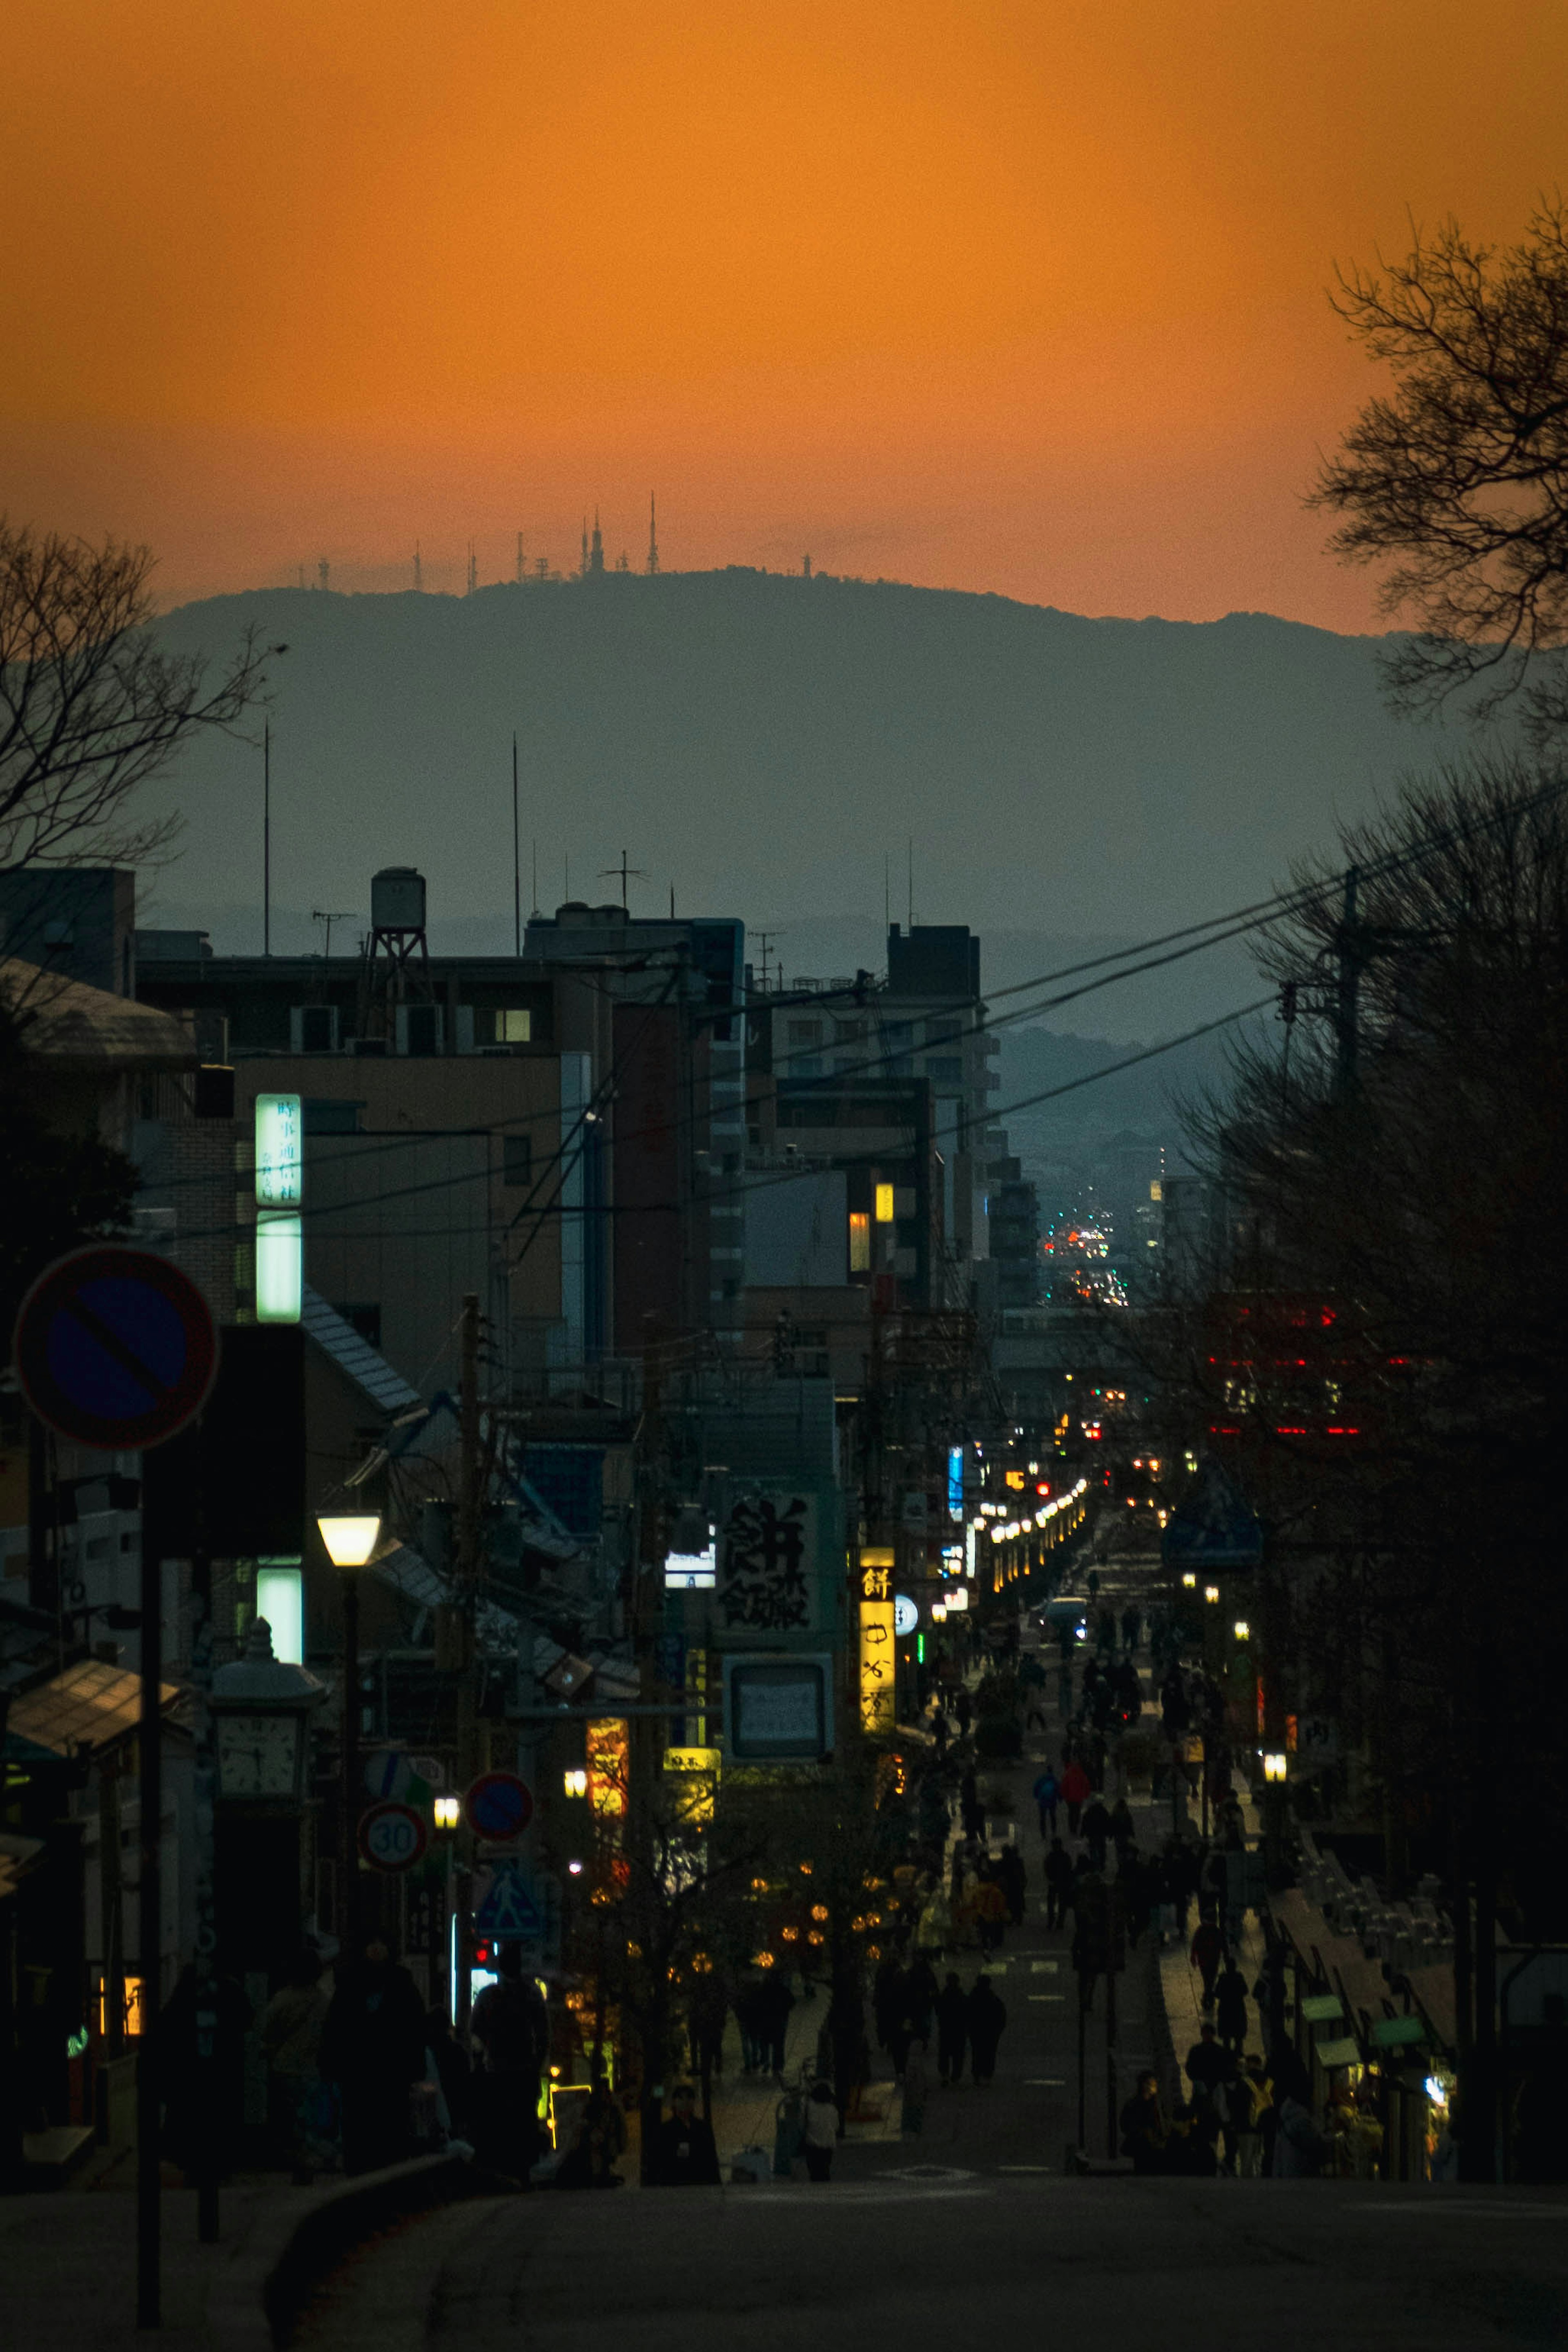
[
  {"x": 945, "y": 1069},
  {"x": 884, "y": 1205},
  {"x": 517, "y": 1161},
  {"x": 859, "y": 1242},
  {"x": 508, "y": 1025},
  {"x": 939, "y": 1032},
  {"x": 805, "y": 1033}
]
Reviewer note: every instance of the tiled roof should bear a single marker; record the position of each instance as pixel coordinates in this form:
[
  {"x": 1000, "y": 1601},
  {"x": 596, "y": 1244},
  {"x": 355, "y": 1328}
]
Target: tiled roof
[
  {"x": 67, "y": 1021},
  {"x": 364, "y": 1365},
  {"x": 88, "y": 1705}
]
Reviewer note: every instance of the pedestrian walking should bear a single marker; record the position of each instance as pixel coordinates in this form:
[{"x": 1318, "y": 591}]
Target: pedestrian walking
[
  {"x": 951, "y": 2028},
  {"x": 987, "y": 2017},
  {"x": 939, "y": 1730},
  {"x": 964, "y": 1708},
  {"x": 1132, "y": 1626},
  {"x": 1077, "y": 1790},
  {"x": 1230, "y": 2004},
  {"x": 1047, "y": 1795},
  {"x": 990, "y": 1911},
  {"x": 683, "y": 2153},
  {"x": 1058, "y": 1884},
  {"x": 775, "y": 2003},
  {"x": 513, "y": 2029},
  {"x": 1122, "y": 1832},
  {"x": 373, "y": 2048},
  {"x": 1253, "y": 2103},
  {"x": 917, "y": 2083},
  {"x": 1210, "y": 2069},
  {"x": 1205, "y": 1952},
  {"x": 820, "y": 2136},
  {"x": 1097, "y": 1830},
  {"x": 297, "y": 2098},
  {"x": 1144, "y": 2130},
  {"x": 1014, "y": 1877}
]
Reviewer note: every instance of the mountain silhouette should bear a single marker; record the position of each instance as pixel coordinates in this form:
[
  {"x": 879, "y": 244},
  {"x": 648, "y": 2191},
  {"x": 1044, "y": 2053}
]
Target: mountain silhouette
[{"x": 771, "y": 746}]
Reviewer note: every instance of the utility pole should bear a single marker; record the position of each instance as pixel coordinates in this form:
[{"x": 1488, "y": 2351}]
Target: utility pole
[
  {"x": 1350, "y": 954},
  {"x": 516, "y": 837},
  {"x": 266, "y": 836},
  {"x": 150, "y": 1947}
]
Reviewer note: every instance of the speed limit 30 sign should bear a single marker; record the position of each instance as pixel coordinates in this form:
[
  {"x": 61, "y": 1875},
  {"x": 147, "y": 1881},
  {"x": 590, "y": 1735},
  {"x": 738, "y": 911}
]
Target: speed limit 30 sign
[{"x": 391, "y": 1836}]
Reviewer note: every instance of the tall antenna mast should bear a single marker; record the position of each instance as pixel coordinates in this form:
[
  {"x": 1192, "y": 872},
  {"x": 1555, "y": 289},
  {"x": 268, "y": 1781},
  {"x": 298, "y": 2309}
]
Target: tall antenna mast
[
  {"x": 418, "y": 573},
  {"x": 652, "y": 534},
  {"x": 911, "y": 882},
  {"x": 266, "y": 836},
  {"x": 520, "y": 559},
  {"x": 516, "y": 859},
  {"x": 536, "y": 873},
  {"x": 626, "y": 874},
  {"x": 473, "y": 569}
]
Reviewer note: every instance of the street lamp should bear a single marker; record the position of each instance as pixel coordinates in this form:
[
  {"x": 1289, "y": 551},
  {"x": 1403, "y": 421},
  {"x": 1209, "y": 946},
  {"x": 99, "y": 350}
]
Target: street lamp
[
  {"x": 1189, "y": 1581},
  {"x": 447, "y": 1812},
  {"x": 1273, "y": 1767},
  {"x": 1211, "y": 1592},
  {"x": 349, "y": 1539},
  {"x": 1243, "y": 1629}
]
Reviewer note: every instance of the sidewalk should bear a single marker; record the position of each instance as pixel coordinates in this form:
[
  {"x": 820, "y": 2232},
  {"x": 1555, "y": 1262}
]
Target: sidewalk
[{"x": 1180, "y": 1985}]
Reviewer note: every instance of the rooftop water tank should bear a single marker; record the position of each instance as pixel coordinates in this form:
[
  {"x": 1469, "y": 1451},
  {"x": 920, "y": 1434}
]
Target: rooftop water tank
[{"x": 397, "y": 899}]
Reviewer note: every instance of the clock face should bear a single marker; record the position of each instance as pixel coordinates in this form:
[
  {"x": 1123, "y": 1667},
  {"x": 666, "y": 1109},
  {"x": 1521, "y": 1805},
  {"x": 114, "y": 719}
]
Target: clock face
[{"x": 255, "y": 1754}]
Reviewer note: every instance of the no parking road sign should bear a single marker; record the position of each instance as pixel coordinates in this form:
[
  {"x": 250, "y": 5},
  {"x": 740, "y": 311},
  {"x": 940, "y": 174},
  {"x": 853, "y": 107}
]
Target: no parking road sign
[
  {"x": 499, "y": 1806},
  {"x": 115, "y": 1347}
]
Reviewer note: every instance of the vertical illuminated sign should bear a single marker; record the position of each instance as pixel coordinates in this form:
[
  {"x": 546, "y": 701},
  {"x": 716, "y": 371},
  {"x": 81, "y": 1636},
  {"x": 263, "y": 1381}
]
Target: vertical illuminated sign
[
  {"x": 279, "y": 1152},
  {"x": 955, "y": 1482},
  {"x": 878, "y": 1653},
  {"x": 279, "y": 1188}
]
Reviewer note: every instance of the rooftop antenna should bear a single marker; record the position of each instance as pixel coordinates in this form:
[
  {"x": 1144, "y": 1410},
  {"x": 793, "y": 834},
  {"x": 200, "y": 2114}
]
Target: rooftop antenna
[
  {"x": 536, "y": 873},
  {"x": 806, "y": 568},
  {"x": 418, "y": 572},
  {"x": 473, "y": 569},
  {"x": 324, "y": 570},
  {"x": 886, "y": 891},
  {"x": 766, "y": 939},
  {"x": 652, "y": 535},
  {"x": 627, "y": 874},
  {"x": 911, "y": 883},
  {"x": 266, "y": 827},
  {"x": 520, "y": 559},
  {"x": 330, "y": 915},
  {"x": 672, "y": 902},
  {"x": 301, "y": 575},
  {"x": 516, "y": 859},
  {"x": 585, "y": 568}
]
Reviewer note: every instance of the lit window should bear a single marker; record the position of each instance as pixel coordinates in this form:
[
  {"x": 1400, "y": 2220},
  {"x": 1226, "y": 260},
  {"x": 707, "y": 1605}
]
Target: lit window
[
  {"x": 884, "y": 1205},
  {"x": 859, "y": 1242},
  {"x": 514, "y": 1027}
]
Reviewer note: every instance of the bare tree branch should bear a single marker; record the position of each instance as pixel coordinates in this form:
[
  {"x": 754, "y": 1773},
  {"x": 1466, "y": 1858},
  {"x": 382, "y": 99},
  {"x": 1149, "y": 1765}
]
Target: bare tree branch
[{"x": 91, "y": 706}]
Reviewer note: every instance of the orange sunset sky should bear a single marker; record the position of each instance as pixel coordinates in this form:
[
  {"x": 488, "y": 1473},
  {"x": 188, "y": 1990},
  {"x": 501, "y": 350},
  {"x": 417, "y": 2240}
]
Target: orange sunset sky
[{"x": 1011, "y": 295}]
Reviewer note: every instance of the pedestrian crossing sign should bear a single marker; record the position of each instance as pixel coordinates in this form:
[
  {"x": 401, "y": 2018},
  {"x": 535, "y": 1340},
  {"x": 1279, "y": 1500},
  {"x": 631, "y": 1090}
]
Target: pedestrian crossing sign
[{"x": 509, "y": 1913}]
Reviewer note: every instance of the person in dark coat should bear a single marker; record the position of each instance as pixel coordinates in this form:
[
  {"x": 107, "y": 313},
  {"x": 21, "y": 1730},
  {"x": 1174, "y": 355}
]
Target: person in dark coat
[
  {"x": 775, "y": 2003},
  {"x": 1058, "y": 1884},
  {"x": 373, "y": 2048},
  {"x": 512, "y": 2027},
  {"x": 1097, "y": 1830},
  {"x": 1230, "y": 2005},
  {"x": 987, "y": 2015},
  {"x": 1013, "y": 1876},
  {"x": 952, "y": 2030},
  {"x": 684, "y": 2155},
  {"x": 1205, "y": 1953},
  {"x": 964, "y": 1708},
  {"x": 1143, "y": 2128}
]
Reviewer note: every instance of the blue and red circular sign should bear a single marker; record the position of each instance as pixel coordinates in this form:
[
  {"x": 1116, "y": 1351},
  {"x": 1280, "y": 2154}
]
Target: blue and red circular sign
[
  {"x": 115, "y": 1347},
  {"x": 499, "y": 1806}
]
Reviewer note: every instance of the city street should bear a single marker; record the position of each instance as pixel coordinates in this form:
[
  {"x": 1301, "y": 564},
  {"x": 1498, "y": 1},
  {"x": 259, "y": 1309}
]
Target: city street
[
  {"x": 918, "y": 2264},
  {"x": 975, "y": 2224}
]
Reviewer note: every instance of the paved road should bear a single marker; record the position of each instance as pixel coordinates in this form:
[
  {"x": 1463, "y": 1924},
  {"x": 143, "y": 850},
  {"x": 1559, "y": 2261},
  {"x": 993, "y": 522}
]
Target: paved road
[{"x": 902, "y": 2265}]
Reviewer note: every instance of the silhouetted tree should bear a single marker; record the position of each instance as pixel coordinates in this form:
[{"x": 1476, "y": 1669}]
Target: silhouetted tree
[
  {"x": 91, "y": 706},
  {"x": 1459, "y": 477}
]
